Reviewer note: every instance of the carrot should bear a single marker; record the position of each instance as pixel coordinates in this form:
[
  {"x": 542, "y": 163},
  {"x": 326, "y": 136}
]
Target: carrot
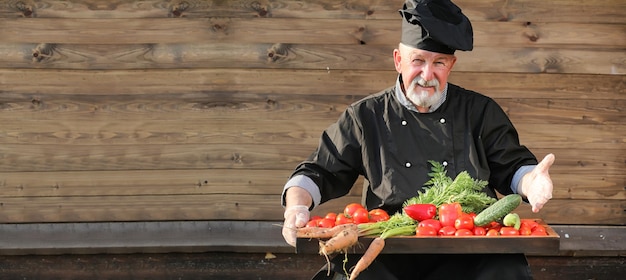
[
  {"x": 317, "y": 232},
  {"x": 341, "y": 241},
  {"x": 368, "y": 257}
]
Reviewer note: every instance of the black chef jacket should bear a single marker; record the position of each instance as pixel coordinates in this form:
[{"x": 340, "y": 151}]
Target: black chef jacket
[{"x": 390, "y": 145}]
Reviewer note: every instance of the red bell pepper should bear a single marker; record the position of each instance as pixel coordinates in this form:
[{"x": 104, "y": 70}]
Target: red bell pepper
[{"x": 420, "y": 212}]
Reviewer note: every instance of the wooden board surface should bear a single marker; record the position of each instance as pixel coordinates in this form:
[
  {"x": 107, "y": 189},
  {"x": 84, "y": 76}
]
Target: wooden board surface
[{"x": 533, "y": 245}]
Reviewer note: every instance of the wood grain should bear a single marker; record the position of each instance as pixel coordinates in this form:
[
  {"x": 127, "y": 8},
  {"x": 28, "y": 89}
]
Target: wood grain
[
  {"x": 31, "y": 85},
  {"x": 603, "y": 11},
  {"x": 302, "y": 56}
]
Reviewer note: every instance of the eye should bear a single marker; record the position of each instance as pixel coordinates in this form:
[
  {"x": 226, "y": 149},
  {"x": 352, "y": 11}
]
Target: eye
[{"x": 418, "y": 61}]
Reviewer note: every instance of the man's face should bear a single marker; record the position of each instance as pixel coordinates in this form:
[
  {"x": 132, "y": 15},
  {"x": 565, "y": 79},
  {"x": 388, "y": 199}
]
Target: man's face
[{"x": 424, "y": 74}]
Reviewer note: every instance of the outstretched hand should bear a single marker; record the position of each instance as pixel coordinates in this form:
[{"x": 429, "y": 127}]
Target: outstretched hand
[
  {"x": 537, "y": 185},
  {"x": 296, "y": 216}
]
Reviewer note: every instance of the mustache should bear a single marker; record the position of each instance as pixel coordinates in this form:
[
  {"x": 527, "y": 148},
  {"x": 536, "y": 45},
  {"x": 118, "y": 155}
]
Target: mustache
[{"x": 424, "y": 83}]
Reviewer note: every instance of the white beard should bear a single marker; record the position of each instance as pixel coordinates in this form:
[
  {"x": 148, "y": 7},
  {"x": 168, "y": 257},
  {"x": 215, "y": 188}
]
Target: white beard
[{"x": 422, "y": 98}]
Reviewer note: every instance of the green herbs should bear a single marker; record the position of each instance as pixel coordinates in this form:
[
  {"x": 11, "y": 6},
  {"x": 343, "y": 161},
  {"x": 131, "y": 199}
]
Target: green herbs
[{"x": 463, "y": 189}]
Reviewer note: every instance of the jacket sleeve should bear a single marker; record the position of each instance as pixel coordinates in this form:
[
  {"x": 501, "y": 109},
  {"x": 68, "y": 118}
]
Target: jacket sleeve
[
  {"x": 337, "y": 162},
  {"x": 504, "y": 152}
]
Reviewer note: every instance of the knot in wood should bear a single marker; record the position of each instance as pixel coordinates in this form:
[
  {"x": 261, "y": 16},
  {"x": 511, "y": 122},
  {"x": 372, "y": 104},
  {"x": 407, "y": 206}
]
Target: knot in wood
[
  {"x": 260, "y": 9},
  {"x": 277, "y": 51},
  {"x": 178, "y": 9},
  {"x": 27, "y": 10},
  {"x": 42, "y": 51}
]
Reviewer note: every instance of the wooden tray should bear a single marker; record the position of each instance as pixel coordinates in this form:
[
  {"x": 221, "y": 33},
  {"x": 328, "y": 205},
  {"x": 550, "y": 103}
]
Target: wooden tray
[{"x": 453, "y": 245}]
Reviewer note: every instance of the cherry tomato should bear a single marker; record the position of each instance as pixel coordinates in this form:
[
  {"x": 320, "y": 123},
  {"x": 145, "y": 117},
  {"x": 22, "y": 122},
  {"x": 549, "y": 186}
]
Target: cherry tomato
[
  {"x": 420, "y": 212},
  {"x": 524, "y": 229},
  {"x": 312, "y": 223},
  {"x": 508, "y": 231},
  {"x": 463, "y": 232},
  {"x": 325, "y": 223},
  {"x": 377, "y": 215},
  {"x": 425, "y": 231},
  {"x": 361, "y": 216},
  {"x": 447, "y": 231},
  {"x": 493, "y": 225},
  {"x": 492, "y": 232},
  {"x": 449, "y": 212},
  {"x": 464, "y": 221},
  {"x": 331, "y": 215},
  {"x": 539, "y": 230},
  {"x": 430, "y": 223},
  {"x": 351, "y": 208},
  {"x": 313, "y": 218},
  {"x": 479, "y": 231},
  {"x": 342, "y": 219}
]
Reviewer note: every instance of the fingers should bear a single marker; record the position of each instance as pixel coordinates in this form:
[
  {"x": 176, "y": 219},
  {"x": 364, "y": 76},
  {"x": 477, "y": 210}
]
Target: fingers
[
  {"x": 301, "y": 219},
  {"x": 289, "y": 232},
  {"x": 546, "y": 163},
  {"x": 295, "y": 217},
  {"x": 539, "y": 200}
]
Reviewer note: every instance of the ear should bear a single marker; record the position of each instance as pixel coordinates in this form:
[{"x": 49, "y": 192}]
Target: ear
[{"x": 397, "y": 58}]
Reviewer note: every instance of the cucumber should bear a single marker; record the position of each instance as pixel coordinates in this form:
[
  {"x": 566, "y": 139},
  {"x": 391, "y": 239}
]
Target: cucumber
[{"x": 498, "y": 209}]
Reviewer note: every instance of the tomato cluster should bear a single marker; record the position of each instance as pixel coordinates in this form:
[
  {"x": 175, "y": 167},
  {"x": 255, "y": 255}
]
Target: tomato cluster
[
  {"x": 454, "y": 222},
  {"x": 353, "y": 213}
]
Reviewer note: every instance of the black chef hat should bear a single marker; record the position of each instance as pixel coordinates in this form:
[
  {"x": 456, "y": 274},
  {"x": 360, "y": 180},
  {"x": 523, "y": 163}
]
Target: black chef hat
[{"x": 435, "y": 25}]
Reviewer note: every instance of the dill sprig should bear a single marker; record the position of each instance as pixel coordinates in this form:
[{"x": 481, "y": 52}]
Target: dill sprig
[{"x": 464, "y": 189}]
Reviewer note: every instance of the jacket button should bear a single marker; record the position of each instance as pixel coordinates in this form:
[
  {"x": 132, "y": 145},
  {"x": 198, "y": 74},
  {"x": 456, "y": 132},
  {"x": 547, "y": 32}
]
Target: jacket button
[
  {"x": 442, "y": 120},
  {"x": 403, "y": 122},
  {"x": 408, "y": 164}
]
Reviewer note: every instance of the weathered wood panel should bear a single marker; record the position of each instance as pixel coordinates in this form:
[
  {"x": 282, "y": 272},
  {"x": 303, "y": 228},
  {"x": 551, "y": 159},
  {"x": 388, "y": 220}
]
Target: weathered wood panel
[
  {"x": 288, "y": 31},
  {"x": 602, "y": 11},
  {"x": 227, "y": 84},
  {"x": 160, "y": 110},
  {"x": 248, "y": 207},
  {"x": 304, "y": 56},
  {"x": 230, "y": 181}
]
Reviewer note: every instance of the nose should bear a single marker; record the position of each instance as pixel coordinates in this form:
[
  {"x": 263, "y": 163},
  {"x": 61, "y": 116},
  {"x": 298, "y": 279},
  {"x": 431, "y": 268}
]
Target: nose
[{"x": 427, "y": 72}]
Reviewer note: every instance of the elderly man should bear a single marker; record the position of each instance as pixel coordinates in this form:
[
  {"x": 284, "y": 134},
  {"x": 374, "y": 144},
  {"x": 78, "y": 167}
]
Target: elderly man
[{"x": 389, "y": 137}]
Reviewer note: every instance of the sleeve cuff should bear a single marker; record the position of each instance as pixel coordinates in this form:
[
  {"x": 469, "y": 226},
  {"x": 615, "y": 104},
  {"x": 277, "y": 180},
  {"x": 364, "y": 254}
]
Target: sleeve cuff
[
  {"x": 305, "y": 183},
  {"x": 517, "y": 177}
]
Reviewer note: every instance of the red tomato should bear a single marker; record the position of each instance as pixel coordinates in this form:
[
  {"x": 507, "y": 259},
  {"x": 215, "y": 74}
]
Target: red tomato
[
  {"x": 425, "y": 231},
  {"x": 331, "y": 215},
  {"x": 508, "y": 231},
  {"x": 313, "y": 218},
  {"x": 449, "y": 212},
  {"x": 464, "y": 221},
  {"x": 351, "y": 208},
  {"x": 532, "y": 224},
  {"x": 539, "y": 230},
  {"x": 493, "y": 225},
  {"x": 325, "y": 223},
  {"x": 463, "y": 232},
  {"x": 430, "y": 223},
  {"x": 447, "y": 231},
  {"x": 377, "y": 215},
  {"x": 361, "y": 216},
  {"x": 312, "y": 223},
  {"x": 492, "y": 232},
  {"x": 342, "y": 219},
  {"x": 524, "y": 229},
  {"x": 420, "y": 212},
  {"x": 479, "y": 231}
]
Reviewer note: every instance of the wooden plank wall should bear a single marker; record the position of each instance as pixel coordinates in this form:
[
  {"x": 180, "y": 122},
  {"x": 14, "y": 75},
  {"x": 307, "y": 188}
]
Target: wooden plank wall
[{"x": 198, "y": 110}]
